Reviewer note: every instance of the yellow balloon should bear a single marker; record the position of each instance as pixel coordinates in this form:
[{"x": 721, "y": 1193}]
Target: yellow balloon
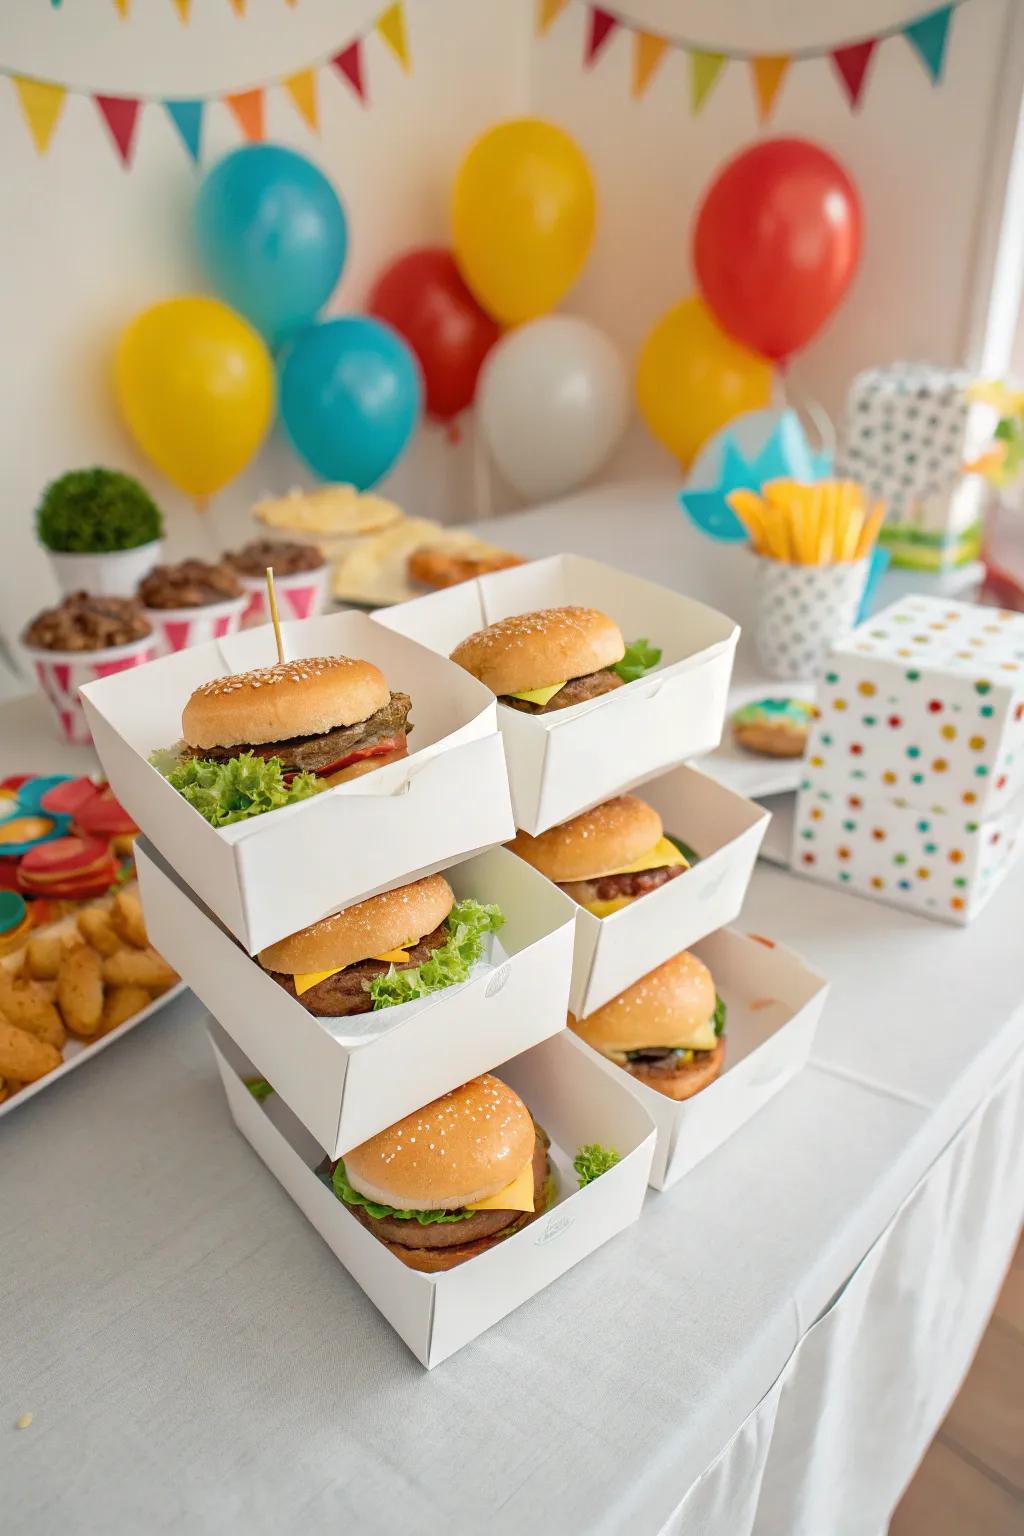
[
  {"x": 195, "y": 384},
  {"x": 692, "y": 378},
  {"x": 523, "y": 213}
]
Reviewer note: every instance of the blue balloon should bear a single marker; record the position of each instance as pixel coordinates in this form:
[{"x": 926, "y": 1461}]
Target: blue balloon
[
  {"x": 351, "y": 397},
  {"x": 272, "y": 236}
]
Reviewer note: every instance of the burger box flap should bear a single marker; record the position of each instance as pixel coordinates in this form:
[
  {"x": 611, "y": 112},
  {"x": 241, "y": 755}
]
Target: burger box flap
[
  {"x": 726, "y": 831},
  {"x": 576, "y": 1098},
  {"x": 559, "y": 764},
  {"x": 347, "y": 1078},
  {"x": 773, "y": 1004},
  {"x": 273, "y": 874}
]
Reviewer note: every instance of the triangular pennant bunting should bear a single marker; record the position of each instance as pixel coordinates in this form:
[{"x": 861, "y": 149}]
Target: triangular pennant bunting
[
  {"x": 350, "y": 64},
  {"x": 247, "y": 107},
  {"x": 187, "y": 117},
  {"x": 548, "y": 11},
  {"x": 183, "y": 7},
  {"x": 648, "y": 52},
  {"x": 120, "y": 113},
  {"x": 390, "y": 25},
  {"x": 238, "y": 6},
  {"x": 705, "y": 69},
  {"x": 122, "y": 7},
  {"x": 928, "y": 37},
  {"x": 852, "y": 67},
  {"x": 602, "y": 25},
  {"x": 302, "y": 90},
  {"x": 41, "y": 103},
  {"x": 768, "y": 76}
]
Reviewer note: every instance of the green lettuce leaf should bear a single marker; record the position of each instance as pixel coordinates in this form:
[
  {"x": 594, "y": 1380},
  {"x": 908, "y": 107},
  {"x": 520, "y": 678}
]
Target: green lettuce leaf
[
  {"x": 719, "y": 1016},
  {"x": 244, "y": 786},
  {"x": 592, "y": 1160},
  {"x": 259, "y": 1088},
  {"x": 689, "y": 854},
  {"x": 344, "y": 1191},
  {"x": 639, "y": 658},
  {"x": 468, "y": 922}
]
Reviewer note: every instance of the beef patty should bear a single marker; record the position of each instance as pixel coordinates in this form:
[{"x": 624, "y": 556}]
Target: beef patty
[
  {"x": 346, "y": 991},
  {"x": 660, "y": 1061},
  {"x": 409, "y": 1233},
  {"x": 575, "y": 691},
  {"x": 311, "y": 753},
  {"x": 608, "y": 887}
]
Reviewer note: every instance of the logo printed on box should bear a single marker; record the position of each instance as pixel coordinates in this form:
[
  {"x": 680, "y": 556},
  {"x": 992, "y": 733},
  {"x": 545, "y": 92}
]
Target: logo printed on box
[
  {"x": 498, "y": 980},
  {"x": 557, "y": 1224}
]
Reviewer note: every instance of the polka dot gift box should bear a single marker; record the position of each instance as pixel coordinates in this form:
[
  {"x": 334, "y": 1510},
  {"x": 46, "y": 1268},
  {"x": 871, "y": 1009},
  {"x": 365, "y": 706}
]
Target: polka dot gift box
[
  {"x": 914, "y": 787},
  {"x": 908, "y": 430}
]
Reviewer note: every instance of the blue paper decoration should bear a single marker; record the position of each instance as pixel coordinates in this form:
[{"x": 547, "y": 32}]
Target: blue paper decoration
[{"x": 785, "y": 454}]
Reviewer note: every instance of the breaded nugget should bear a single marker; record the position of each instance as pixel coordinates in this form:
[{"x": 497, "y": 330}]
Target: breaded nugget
[
  {"x": 24, "y": 1057},
  {"x": 27, "y": 1005},
  {"x": 139, "y": 968},
  {"x": 126, "y": 917},
  {"x": 122, "y": 1003},
  {"x": 96, "y": 928},
  {"x": 42, "y": 958},
  {"x": 80, "y": 990}
]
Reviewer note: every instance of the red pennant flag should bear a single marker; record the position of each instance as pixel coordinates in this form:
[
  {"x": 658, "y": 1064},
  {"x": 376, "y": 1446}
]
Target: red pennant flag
[
  {"x": 602, "y": 25},
  {"x": 350, "y": 64},
  {"x": 120, "y": 113},
  {"x": 852, "y": 66}
]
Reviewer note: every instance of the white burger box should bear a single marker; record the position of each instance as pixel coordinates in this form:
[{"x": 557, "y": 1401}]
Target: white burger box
[
  {"x": 575, "y": 1099},
  {"x": 773, "y": 1003},
  {"x": 347, "y": 1078},
  {"x": 271, "y": 875},
  {"x": 559, "y": 764},
  {"x": 725, "y": 830}
]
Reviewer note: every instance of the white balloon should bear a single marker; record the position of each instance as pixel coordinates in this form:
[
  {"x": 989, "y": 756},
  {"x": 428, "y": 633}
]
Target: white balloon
[{"x": 553, "y": 401}]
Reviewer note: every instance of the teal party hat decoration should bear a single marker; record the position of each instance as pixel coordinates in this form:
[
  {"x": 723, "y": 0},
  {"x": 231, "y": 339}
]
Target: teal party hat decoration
[{"x": 779, "y": 450}]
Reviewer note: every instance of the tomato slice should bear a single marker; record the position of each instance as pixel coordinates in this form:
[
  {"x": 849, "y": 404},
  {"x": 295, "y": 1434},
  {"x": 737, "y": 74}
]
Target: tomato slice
[{"x": 379, "y": 749}]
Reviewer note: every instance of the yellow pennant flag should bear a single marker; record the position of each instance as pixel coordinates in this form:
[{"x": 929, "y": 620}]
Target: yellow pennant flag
[
  {"x": 41, "y": 102},
  {"x": 768, "y": 76},
  {"x": 183, "y": 7},
  {"x": 390, "y": 24},
  {"x": 302, "y": 90},
  {"x": 648, "y": 52},
  {"x": 547, "y": 12},
  {"x": 123, "y": 7},
  {"x": 705, "y": 69}
]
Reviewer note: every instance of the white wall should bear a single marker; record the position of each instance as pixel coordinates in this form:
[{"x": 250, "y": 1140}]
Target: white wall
[{"x": 84, "y": 243}]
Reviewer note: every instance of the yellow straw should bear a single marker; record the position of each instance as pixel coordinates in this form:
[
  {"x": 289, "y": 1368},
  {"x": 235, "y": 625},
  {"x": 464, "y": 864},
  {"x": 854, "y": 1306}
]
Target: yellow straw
[{"x": 272, "y": 600}]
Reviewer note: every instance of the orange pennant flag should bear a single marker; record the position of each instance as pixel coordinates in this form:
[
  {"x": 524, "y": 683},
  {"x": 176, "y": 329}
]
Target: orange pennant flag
[
  {"x": 42, "y": 103},
  {"x": 238, "y": 6},
  {"x": 768, "y": 76},
  {"x": 183, "y": 7},
  {"x": 548, "y": 11},
  {"x": 248, "y": 109},
  {"x": 302, "y": 90},
  {"x": 390, "y": 24},
  {"x": 123, "y": 7},
  {"x": 648, "y": 52}
]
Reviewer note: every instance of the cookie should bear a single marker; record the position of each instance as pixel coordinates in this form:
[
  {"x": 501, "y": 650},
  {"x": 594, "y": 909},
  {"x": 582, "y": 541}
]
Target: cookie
[{"x": 773, "y": 727}]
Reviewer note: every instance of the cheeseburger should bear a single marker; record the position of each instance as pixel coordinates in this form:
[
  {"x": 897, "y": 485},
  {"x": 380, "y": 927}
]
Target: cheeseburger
[
  {"x": 334, "y": 716},
  {"x": 607, "y": 857},
  {"x": 666, "y": 1031},
  {"x": 329, "y": 966},
  {"x": 540, "y": 662},
  {"x": 451, "y": 1180}
]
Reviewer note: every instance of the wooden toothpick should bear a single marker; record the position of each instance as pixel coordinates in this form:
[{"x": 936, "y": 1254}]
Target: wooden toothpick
[{"x": 272, "y": 600}]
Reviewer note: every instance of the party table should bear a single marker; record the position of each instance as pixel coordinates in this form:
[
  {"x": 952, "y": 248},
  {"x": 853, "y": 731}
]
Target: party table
[{"x": 768, "y": 1351}]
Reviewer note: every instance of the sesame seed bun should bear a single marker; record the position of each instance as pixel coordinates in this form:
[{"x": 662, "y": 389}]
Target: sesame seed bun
[
  {"x": 658, "y": 1010},
  {"x": 370, "y": 927},
  {"x": 294, "y": 698},
  {"x": 464, "y": 1146},
  {"x": 590, "y": 845},
  {"x": 532, "y": 650},
  {"x": 687, "y": 1079}
]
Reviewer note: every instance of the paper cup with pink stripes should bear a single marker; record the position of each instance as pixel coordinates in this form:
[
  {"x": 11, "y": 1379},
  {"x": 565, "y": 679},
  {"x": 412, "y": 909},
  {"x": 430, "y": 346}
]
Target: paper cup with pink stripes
[
  {"x": 177, "y": 628},
  {"x": 61, "y": 673},
  {"x": 301, "y": 596}
]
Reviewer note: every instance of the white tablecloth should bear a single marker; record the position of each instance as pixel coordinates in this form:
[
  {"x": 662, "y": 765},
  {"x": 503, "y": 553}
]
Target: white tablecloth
[{"x": 767, "y": 1351}]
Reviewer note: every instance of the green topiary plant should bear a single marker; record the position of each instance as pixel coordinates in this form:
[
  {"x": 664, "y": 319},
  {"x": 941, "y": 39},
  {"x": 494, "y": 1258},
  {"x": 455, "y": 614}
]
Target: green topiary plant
[{"x": 96, "y": 512}]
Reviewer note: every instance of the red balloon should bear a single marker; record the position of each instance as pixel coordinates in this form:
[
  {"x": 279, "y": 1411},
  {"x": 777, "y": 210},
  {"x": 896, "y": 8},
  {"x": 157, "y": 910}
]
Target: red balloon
[
  {"x": 777, "y": 242},
  {"x": 422, "y": 295}
]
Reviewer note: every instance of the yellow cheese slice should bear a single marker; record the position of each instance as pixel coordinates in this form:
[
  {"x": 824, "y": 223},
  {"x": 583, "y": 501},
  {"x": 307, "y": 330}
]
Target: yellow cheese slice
[
  {"x": 606, "y": 908},
  {"x": 307, "y": 979},
  {"x": 517, "y": 1196},
  {"x": 663, "y": 853},
  {"x": 539, "y": 696}
]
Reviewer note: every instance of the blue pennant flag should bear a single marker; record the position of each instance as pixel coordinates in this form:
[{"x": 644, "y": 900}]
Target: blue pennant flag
[
  {"x": 785, "y": 454},
  {"x": 928, "y": 37},
  {"x": 187, "y": 117}
]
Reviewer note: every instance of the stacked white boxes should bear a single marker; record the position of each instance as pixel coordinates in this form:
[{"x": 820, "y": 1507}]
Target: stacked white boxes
[{"x": 215, "y": 897}]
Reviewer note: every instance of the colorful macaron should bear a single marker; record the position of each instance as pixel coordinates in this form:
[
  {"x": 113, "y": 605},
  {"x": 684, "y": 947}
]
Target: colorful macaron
[{"x": 773, "y": 727}]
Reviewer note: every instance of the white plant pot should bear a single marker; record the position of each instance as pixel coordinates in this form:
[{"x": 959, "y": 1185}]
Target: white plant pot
[{"x": 116, "y": 574}]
